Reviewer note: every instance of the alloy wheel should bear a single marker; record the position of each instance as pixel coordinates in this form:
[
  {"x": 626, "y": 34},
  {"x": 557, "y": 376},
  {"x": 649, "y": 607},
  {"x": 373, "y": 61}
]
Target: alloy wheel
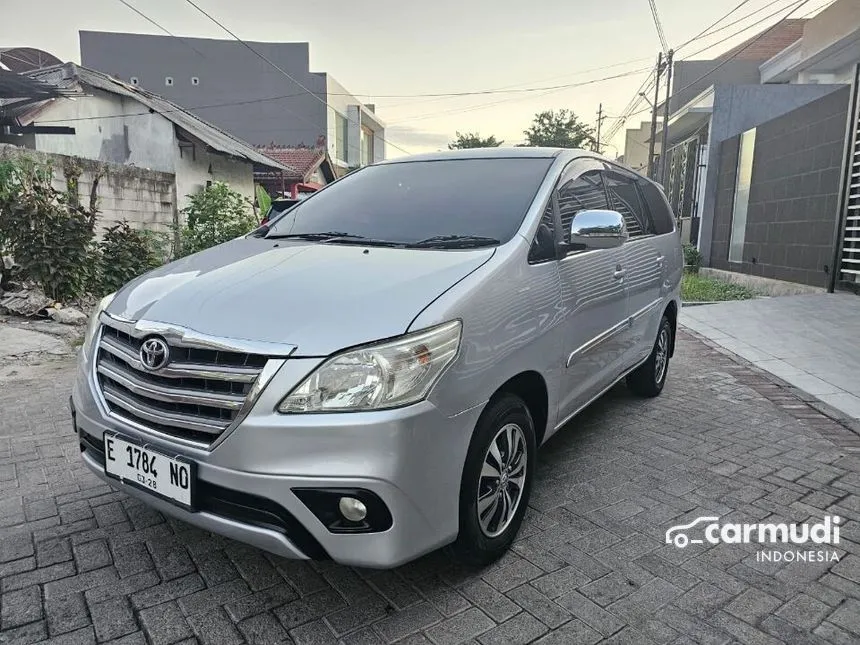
[
  {"x": 502, "y": 479},
  {"x": 661, "y": 357}
]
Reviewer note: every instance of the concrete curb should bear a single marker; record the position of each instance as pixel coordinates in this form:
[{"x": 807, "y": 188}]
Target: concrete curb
[{"x": 782, "y": 388}]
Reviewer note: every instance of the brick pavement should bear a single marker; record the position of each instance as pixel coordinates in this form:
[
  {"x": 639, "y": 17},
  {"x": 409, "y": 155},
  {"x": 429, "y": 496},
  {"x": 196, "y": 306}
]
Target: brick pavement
[{"x": 80, "y": 563}]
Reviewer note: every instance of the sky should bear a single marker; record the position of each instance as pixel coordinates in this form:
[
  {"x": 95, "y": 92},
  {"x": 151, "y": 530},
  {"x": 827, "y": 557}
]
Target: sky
[{"x": 395, "y": 47}]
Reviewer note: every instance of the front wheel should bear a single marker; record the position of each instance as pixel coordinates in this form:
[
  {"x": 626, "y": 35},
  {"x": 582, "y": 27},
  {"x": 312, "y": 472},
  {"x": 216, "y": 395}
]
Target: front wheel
[
  {"x": 649, "y": 378},
  {"x": 496, "y": 483}
]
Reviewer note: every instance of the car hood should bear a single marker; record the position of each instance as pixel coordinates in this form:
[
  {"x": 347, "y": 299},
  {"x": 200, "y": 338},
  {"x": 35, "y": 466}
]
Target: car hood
[{"x": 319, "y": 297}]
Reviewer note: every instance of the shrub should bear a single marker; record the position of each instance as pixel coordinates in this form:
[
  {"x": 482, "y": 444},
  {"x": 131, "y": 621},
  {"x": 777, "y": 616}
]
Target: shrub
[
  {"x": 50, "y": 239},
  {"x": 215, "y": 215},
  {"x": 692, "y": 258},
  {"x": 125, "y": 253}
]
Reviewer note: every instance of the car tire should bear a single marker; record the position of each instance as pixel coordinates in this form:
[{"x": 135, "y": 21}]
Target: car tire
[
  {"x": 485, "y": 537},
  {"x": 649, "y": 378}
]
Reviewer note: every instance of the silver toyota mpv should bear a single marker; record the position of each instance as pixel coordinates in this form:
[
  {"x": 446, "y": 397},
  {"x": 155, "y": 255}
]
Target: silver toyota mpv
[{"x": 367, "y": 377}]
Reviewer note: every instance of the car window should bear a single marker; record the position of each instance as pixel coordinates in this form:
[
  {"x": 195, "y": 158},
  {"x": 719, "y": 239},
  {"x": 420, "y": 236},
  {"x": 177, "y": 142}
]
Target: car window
[
  {"x": 581, "y": 192},
  {"x": 658, "y": 207},
  {"x": 411, "y": 201},
  {"x": 624, "y": 198},
  {"x": 543, "y": 245}
]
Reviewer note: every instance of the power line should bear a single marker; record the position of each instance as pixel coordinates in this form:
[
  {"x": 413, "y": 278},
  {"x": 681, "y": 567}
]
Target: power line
[
  {"x": 286, "y": 96},
  {"x": 544, "y": 91},
  {"x": 792, "y": 5},
  {"x": 158, "y": 26},
  {"x": 660, "y": 34},
  {"x": 274, "y": 66},
  {"x": 629, "y": 112},
  {"x": 746, "y": 46},
  {"x": 707, "y": 29}
]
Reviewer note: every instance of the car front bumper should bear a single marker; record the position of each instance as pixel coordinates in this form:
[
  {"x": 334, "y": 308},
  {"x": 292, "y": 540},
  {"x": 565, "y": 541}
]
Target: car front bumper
[{"x": 410, "y": 459}]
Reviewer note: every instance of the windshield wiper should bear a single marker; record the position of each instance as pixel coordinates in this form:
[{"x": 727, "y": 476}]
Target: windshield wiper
[
  {"x": 336, "y": 237},
  {"x": 308, "y": 236},
  {"x": 454, "y": 242}
]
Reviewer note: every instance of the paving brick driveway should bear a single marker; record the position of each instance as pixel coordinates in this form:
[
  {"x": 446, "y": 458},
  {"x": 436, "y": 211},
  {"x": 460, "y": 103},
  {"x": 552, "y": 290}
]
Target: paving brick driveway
[{"x": 80, "y": 563}]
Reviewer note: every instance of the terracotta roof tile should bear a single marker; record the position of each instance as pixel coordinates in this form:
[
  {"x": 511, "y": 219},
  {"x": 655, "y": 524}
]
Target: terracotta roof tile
[
  {"x": 778, "y": 38},
  {"x": 303, "y": 161}
]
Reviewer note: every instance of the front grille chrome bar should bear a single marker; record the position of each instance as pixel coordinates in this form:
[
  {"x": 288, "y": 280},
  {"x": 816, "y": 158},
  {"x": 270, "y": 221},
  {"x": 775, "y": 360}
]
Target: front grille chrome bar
[{"x": 207, "y": 388}]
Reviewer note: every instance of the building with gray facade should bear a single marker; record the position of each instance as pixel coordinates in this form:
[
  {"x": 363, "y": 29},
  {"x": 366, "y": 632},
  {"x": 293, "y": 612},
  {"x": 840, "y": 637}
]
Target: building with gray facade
[
  {"x": 226, "y": 84},
  {"x": 762, "y": 167}
]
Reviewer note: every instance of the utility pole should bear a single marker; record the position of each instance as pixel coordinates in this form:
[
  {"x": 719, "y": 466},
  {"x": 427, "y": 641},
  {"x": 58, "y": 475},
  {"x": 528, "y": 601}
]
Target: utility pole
[
  {"x": 652, "y": 140},
  {"x": 664, "y": 144},
  {"x": 599, "y": 123}
]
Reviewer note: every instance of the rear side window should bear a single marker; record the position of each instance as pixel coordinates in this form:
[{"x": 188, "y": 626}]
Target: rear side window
[
  {"x": 661, "y": 214},
  {"x": 624, "y": 198},
  {"x": 583, "y": 192}
]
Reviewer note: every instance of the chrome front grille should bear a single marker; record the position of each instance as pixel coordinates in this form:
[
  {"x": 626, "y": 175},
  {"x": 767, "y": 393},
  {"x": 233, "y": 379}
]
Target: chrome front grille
[{"x": 195, "y": 397}]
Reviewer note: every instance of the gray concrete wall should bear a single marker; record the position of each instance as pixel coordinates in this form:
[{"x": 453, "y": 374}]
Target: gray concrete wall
[
  {"x": 738, "y": 108},
  {"x": 793, "y": 195},
  {"x": 143, "y": 197},
  {"x": 690, "y": 72},
  {"x": 262, "y": 105}
]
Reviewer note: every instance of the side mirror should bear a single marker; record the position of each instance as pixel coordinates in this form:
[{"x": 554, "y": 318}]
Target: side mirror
[{"x": 598, "y": 229}]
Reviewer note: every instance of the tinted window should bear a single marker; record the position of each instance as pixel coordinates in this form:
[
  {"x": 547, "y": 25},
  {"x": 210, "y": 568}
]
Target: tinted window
[
  {"x": 661, "y": 214},
  {"x": 624, "y": 198},
  {"x": 583, "y": 192},
  {"x": 543, "y": 244},
  {"x": 411, "y": 201}
]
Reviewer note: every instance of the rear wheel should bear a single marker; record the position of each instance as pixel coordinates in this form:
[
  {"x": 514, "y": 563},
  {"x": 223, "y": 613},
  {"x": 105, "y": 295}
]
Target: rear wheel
[
  {"x": 496, "y": 483},
  {"x": 649, "y": 378}
]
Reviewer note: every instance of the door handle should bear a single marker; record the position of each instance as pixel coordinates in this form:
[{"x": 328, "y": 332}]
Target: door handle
[
  {"x": 660, "y": 260},
  {"x": 619, "y": 273}
]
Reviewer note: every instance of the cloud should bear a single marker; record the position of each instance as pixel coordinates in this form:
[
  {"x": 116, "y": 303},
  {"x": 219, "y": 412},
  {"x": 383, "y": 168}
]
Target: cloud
[{"x": 407, "y": 136}]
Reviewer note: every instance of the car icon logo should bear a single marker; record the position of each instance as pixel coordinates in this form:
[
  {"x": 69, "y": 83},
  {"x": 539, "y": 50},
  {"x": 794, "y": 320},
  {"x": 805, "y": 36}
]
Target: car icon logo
[
  {"x": 154, "y": 354},
  {"x": 680, "y": 538}
]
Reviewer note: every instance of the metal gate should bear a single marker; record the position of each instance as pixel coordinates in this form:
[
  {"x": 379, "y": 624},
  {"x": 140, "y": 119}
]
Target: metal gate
[
  {"x": 683, "y": 175},
  {"x": 847, "y": 265}
]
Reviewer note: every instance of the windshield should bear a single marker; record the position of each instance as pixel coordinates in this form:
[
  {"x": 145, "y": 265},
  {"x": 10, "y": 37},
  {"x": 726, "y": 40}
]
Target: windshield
[{"x": 444, "y": 202}]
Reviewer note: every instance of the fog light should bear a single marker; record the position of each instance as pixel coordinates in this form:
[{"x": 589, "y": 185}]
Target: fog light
[{"x": 352, "y": 509}]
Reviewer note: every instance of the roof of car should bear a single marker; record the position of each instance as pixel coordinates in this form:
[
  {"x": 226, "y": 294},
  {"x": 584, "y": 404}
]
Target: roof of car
[{"x": 489, "y": 153}]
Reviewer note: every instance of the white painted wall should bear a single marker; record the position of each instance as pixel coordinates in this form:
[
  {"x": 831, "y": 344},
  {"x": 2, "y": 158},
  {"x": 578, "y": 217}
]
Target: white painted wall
[
  {"x": 109, "y": 128},
  {"x": 339, "y": 100},
  {"x": 193, "y": 171},
  {"x": 118, "y": 130}
]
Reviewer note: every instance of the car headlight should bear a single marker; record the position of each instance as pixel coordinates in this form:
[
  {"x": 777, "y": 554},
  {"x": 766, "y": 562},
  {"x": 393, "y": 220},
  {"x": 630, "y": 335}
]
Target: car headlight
[
  {"x": 93, "y": 325},
  {"x": 383, "y": 375}
]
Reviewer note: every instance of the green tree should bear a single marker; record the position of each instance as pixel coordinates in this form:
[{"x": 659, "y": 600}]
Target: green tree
[
  {"x": 473, "y": 140},
  {"x": 561, "y": 129}
]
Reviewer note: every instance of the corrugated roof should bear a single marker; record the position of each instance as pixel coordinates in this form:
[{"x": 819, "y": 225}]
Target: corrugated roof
[
  {"x": 766, "y": 47},
  {"x": 16, "y": 86},
  {"x": 71, "y": 74}
]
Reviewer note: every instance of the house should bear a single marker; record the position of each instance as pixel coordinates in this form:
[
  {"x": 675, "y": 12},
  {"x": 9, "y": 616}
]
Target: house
[
  {"x": 225, "y": 83},
  {"x": 117, "y": 123},
  {"x": 309, "y": 170},
  {"x": 712, "y": 100},
  {"x": 758, "y": 159},
  {"x": 636, "y": 147}
]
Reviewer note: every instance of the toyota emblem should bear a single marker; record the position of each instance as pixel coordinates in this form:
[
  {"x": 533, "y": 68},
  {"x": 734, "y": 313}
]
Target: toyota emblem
[{"x": 154, "y": 353}]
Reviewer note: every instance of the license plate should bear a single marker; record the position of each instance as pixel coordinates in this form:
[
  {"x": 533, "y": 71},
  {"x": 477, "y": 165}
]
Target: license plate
[{"x": 169, "y": 477}]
